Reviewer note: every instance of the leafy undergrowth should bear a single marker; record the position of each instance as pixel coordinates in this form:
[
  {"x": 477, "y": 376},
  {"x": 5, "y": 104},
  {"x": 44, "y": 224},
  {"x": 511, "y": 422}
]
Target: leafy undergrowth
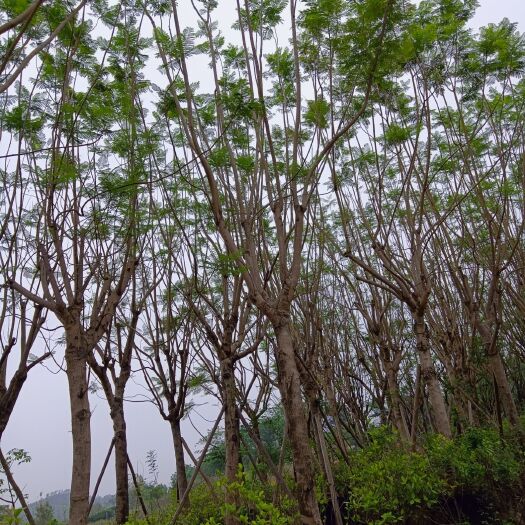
[
  {"x": 252, "y": 504},
  {"x": 475, "y": 478}
]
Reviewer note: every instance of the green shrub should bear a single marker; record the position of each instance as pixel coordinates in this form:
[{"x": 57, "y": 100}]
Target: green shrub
[
  {"x": 387, "y": 483},
  {"x": 252, "y": 506},
  {"x": 477, "y": 460},
  {"x": 473, "y": 477}
]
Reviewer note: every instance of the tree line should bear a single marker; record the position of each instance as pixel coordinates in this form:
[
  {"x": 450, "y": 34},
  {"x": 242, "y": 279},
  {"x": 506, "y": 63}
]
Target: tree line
[{"x": 332, "y": 222}]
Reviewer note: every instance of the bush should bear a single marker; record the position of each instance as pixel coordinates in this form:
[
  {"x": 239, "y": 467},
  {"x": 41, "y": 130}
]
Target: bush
[
  {"x": 482, "y": 471},
  {"x": 387, "y": 483},
  {"x": 253, "y": 505},
  {"x": 474, "y": 477},
  {"x": 478, "y": 459}
]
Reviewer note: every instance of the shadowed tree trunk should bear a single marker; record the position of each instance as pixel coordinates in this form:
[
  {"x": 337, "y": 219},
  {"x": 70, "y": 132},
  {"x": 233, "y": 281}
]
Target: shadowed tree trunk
[{"x": 231, "y": 419}]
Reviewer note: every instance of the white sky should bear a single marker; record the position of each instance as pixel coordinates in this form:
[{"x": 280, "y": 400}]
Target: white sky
[{"x": 40, "y": 421}]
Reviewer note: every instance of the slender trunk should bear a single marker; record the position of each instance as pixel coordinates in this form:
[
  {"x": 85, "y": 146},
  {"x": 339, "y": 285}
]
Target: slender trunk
[
  {"x": 290, "y": 389},
  {"x": 231, "y": 420},
  {"x": 16, "y": 488},
  {"x": 457, "y": 397},
  {"x": 260, "y": 460},
  {"x": 334, "y": 414},
  {"x": 231, "y": 433},
  {"x": 396, "y": 406},
  {"x": 502, "y": 384},
  {"x": 76, "y": 361},
  {"x": 498, "y": 371},
  {"x": 265, "y": 455},
  {"x": 429, "y": 376},
  {"x": 121, "y": 462},
  {"x": 136, "y": 484},
  {"x": 415, "y": 408},
  {"x": 101, "y": 475},
  {"x": 327, "y": 467},
  {"x": 182, "y": 480}
]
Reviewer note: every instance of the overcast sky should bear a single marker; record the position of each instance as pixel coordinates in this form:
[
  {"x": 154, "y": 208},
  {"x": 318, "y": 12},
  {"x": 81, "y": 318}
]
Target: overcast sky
[{"x": 40, "y": 422}]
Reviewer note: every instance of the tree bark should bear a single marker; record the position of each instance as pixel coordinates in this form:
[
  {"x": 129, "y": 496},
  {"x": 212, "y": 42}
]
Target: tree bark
[
  {"x": 121, "y": 462},
  {"x": 231, "y": 432},
  {"x": 231, "y": 420},
  {"x": 396, "y": 406},
  {"x": 429, "y": 376},
  {"x": 76, "y": 361},
  {"x": 502, "y": 384},
  {"x": 182, "y": 480},
  {"x": 290, "y": 389}
]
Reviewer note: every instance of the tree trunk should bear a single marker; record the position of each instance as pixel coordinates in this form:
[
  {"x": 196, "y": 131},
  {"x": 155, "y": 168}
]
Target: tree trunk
[
  {"x": 231, "y": 421},
  {"x": 9, "y": 396},
  {"x": 429, "y": 376},
  {"x": 121, "y": 462},
  {"x": 182, "y": 480},
  {"x": 76, "y": 361},
  {"x": 231, "y": 432},
  {"x": 396, "y": 406},
  {"x": 502, "y": 384},
  {"x": 334, "y": 414},
  {"x": 327, "y": 467},
  {"x": 290, "y": 389}
]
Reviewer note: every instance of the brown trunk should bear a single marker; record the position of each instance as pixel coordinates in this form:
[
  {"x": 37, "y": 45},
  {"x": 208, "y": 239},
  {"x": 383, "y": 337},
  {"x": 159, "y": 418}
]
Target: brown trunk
[
  {"x": 231, "y": 432},
  {"x": 76, "y": 360},
  {"x": 456, "y": 377},
  {"x": 502, "y": 384},
  {"x": 9, "y": 396},
  {"x": 121, "y": 463},
  {"x": 429, "y": 376},
  {"x": 231, "y": 421},
  {"x": 182, "y": 480},
  {"x": 334, "y": 414},
  {"x": 498, "y": 371},
  {"x": 396, "y": 406},
  {"x": 327, "y": 468},
  {"x": 290, "y": 389}
]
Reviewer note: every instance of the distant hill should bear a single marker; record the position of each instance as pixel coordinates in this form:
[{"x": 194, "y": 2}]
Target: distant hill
[{"x": 59, "y": 501}]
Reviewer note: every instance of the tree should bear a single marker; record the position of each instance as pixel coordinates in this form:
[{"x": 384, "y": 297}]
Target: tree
[
  {"x": 44, "y": 514},
  {"x": 267, "y": 174}
]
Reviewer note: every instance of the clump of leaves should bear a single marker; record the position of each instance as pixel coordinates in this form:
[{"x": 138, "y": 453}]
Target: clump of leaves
[
  {"x": 252, "y": 506},
  {"x": 476, "y": 459},
  {"x": 388, "y": 483}
]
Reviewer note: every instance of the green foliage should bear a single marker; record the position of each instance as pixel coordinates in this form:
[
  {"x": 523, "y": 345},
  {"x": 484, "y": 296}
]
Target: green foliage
[
  {"x": 252, "y": 506},
  {"x": 317, "y": 113},
  {"x": 396, "y": 134},
  {"x": 263, "y": 15},
  {"x": 44, "y": 514},
  {"x": 11, "y": 516},
  {"x": 202, "y": 507},
  {"x": 477, "y": 460},
  {"x": 386, "y": 482}
]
